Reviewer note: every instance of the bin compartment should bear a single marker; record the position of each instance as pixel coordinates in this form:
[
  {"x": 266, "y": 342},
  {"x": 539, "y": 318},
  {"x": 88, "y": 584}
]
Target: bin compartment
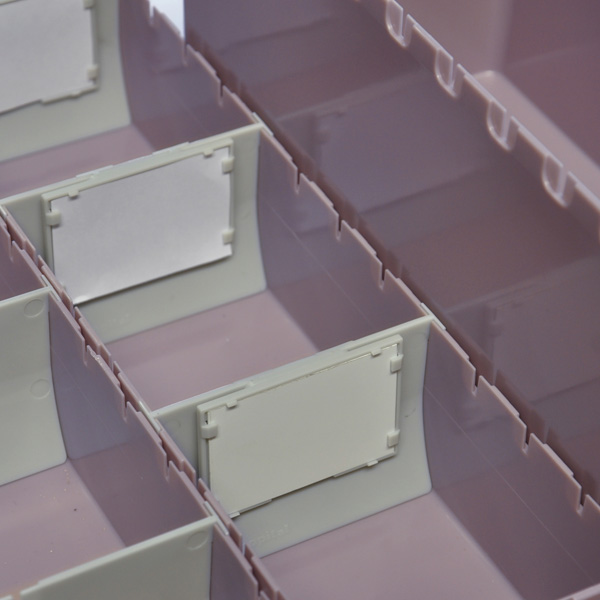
[
  {"x": 85, "y": 475},
  {"x": 205, "y": 351},
  {"x": 417, "y": 548}
]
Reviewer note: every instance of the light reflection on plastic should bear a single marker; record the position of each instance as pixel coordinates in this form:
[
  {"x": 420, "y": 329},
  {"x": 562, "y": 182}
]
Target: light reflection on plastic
[{"x": 172, "y": 9}]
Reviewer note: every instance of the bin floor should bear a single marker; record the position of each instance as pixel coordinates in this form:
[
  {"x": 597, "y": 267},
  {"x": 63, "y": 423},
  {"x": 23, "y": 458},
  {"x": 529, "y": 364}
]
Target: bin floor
[
  {"x": 210, "y": 349},
  {"x": 49, "y": 522},
  {"x": 415, "y": 550}
]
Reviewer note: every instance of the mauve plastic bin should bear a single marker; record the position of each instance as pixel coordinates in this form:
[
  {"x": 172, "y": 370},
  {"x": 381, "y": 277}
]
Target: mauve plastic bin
[{"x": 456, "y": 223}]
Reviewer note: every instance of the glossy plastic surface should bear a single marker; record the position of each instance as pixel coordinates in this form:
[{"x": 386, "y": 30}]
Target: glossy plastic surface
[{"x": 448, "y": 194}]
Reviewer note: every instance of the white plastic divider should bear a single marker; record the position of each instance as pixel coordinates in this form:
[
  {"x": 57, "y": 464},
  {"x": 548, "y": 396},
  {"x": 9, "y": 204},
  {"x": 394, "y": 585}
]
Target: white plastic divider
[
  {"x": 157, "y": 238},
  {"x": 54, "y": 60},
  {"x": 176, "y": 564},
  {"x": 30, "y": 434},
  {"x": 321, "y": 428},
  {"x": 332, "y": 418}
]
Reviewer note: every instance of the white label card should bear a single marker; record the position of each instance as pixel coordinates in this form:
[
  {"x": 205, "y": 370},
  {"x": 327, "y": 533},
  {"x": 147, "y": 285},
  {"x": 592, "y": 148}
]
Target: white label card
[
  {"x": 313, "y": 427},
  {"x": 142, "y": 227},
  {"x": 46, "y": 51}
]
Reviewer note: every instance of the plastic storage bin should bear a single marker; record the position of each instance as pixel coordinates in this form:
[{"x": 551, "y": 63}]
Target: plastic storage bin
[{"x": 492, "y": 510}]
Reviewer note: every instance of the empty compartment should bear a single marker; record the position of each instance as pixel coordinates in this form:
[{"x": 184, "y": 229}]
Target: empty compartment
[
  {"x": 315, "y": 444},
  {"x": 91, "y": 502},
  {"x": 106, "y": 496},
  {"x": 112, "y": 86}
]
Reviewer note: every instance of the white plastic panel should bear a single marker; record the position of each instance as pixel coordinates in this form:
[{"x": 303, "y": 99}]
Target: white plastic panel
[
  {"x": 335, "y": 501},
  {"x": 172, "y": 565},
  {"x": 144, "y": 225},
  {"x": 30, "y": 434},
  {"x": 176, "y": 234},
  {"x": 46, "y": 51},
  {"x": 332, "y": 416}
]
